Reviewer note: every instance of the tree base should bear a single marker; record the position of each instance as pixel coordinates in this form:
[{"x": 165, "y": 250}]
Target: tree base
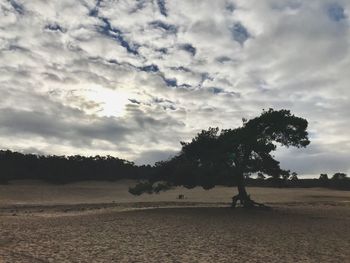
[{"x": 245, "y": 202}]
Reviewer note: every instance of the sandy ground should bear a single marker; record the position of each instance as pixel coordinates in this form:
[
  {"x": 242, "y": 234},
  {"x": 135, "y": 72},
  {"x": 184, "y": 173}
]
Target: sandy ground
[{"x": 101, "y": 222}]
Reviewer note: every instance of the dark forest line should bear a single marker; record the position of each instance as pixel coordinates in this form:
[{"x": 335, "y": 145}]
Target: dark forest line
[{"x": 68, "y": 169}]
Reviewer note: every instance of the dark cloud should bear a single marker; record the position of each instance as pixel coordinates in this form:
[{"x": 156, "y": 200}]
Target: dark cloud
[
  {"x": 162, "y": 50},
  {"x": 140, "y": 4},
  {"x": 55, "y": 27},
  {"x": 336, "y": 12},
  {"x": 170, "y": 82},
  {"x": 116, "y": 34},
  {"x": 189, "y": 48},
  {"x": 169, "y": 28},
  {"x": 162, "y": 7},
  {"x": 150, "y": 68},
  {"x": 223, "y": 59},
  {"x": 164, "y": 103},
  {"x": 217, "y": 90},
  {"x": 94, "y": 10},
  {"x": 240, "y": 33},
  {"x": 181, "y": 68},
  {"x": 17, "y": 6},
  {"x": 222, "y": 91},
  {"x": 286, "y": 5},
  {"x": 230, "y": 7},
  {"x": 61, "y": 127},
  {"x": 134, "y": 101}
]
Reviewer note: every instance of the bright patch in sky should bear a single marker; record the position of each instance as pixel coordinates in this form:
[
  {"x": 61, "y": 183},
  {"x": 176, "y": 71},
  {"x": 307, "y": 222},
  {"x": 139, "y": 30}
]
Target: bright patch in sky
[{"x": 112, "y": 102}]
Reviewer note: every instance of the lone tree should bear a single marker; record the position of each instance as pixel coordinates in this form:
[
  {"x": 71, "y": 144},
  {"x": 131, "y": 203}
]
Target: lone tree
[
  {"x": 339, "y": 176},
  {"x": 323, "y": 177},
  {"x": 231, "y": 155}
]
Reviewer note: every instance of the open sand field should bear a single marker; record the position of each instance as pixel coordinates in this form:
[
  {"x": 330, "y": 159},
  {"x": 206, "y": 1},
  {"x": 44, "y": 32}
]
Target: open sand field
[{"x": 102, "y": 222}]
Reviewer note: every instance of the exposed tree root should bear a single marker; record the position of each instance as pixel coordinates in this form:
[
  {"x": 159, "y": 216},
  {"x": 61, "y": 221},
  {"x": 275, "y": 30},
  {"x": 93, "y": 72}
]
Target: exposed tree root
[{"x": 246, "y": 202}]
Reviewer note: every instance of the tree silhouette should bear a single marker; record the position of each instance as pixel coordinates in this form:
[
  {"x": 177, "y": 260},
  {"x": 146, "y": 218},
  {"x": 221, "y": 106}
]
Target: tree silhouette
[
  {"x": 65, "y": 169},
  {"x": 339, "y": 176},
  {"x": 294, "y": 177},
  {"x": 324, "y": 180},
  {"x": 229, "y": 156},
  {"x": 324, "y": 177}
]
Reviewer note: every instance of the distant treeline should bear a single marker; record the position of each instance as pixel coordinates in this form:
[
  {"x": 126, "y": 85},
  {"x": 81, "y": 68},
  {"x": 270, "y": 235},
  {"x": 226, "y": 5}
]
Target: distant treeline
[
  {"x": 342, "y": 183},
  {"x": 66, "y": 169}
]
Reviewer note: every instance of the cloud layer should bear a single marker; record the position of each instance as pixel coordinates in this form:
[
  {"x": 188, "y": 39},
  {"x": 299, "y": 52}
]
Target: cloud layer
[{"x": 133, "y": 78}]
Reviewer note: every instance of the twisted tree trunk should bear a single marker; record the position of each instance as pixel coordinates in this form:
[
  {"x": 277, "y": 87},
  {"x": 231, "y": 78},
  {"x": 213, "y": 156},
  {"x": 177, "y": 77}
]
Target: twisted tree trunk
[{"x": 243, "y": 198}]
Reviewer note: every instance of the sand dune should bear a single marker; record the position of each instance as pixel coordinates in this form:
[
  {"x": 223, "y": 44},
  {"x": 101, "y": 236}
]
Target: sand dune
[{"x": 80, "y": 223}]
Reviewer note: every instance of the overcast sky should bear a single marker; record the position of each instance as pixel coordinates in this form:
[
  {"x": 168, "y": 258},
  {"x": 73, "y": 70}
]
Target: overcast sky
[{"x": 133, "y": 78}]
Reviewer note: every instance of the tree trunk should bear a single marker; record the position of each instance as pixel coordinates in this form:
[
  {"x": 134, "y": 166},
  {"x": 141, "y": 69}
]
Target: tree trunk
[
  {"x": 243, "y": 197},
  {"x": 241, "y": 189}
]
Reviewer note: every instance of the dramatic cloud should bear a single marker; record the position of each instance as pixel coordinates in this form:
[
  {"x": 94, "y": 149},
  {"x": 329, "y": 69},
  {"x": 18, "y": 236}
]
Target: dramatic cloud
[{"x": 133, "y": 78}]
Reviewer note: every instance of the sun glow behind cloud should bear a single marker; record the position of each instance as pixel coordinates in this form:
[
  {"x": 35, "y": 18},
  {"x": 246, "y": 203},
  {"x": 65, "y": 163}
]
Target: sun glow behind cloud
[{"x": 111, "y": 102}]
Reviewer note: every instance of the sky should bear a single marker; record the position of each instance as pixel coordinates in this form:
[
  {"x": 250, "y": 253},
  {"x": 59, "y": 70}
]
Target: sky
[{"x": 134, "y": 78}]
